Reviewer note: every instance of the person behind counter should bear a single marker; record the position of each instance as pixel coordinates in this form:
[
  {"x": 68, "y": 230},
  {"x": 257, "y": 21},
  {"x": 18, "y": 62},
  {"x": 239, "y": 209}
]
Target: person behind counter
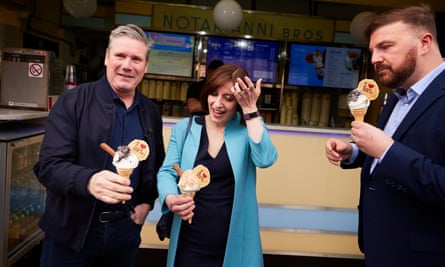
[
  {"x": 402, "y": 201},
  {"x": 194, "y": 91},
  {"x": 231, "y": 141},
  {"x": 84, "y": 221}
]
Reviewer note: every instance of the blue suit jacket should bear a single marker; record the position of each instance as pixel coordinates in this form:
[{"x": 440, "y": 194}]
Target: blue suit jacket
[{"x": 402, "y": 202}]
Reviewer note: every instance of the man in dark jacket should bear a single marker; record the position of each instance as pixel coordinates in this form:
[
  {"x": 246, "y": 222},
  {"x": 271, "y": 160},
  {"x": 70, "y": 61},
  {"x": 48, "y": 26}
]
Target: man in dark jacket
[
  {"x": 402, "y": 193},
  {"x": 93, "y": 215}
]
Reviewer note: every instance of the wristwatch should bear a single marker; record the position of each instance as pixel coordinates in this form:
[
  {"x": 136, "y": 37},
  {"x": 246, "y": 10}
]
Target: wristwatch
[{"x": 251, "y": 115}]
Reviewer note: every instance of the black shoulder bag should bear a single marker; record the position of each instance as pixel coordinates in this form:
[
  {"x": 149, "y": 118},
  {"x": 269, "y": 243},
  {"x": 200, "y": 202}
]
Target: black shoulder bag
[{"x": 164, "y": 225}]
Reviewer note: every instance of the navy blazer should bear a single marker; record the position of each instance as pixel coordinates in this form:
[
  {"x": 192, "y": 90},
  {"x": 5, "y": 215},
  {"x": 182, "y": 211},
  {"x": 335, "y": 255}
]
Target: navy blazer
[{"x": 402, "y": 202}]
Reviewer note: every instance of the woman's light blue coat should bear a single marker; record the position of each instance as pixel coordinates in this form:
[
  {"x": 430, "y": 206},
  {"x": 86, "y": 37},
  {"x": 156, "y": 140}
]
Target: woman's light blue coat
[{"x": 244, "y": 243}]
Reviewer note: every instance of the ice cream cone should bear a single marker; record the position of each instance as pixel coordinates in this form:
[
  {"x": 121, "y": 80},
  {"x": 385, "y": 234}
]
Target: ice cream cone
[
  {"x": 125, "y": 172},
  {"x": 191, "y": 181},
  {"x": 359, "y": 114},
  {"x": 192, "y": 195}
]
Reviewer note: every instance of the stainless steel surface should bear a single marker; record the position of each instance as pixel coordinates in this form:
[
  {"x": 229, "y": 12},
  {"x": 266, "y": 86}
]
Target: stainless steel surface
[
  {"x": 9, "y": 114},
  {"x": 29, "y": 77}
]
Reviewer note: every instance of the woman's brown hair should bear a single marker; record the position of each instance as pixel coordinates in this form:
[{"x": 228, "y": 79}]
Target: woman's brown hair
[{"x": 222, "y": 75}]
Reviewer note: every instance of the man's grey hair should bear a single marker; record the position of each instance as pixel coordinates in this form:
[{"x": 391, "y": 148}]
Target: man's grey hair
[{"x": 132, "y": 31}]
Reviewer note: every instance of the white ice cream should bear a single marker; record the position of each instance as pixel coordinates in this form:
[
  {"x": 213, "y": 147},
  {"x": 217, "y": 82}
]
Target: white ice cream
[
  {"x": 357, "y": 100},
  {"x": 125, "y": 159},
  {"x": 189, "y": 182}
]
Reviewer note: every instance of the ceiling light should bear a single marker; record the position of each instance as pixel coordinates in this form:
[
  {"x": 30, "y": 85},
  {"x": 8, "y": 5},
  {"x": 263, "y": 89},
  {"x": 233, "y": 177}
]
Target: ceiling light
[
  {"x": 80, "y": 8},
  {"x": 227, "y": 14}
]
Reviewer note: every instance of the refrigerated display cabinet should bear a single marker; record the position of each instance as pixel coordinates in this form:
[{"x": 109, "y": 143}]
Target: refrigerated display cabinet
[{"x": 22, "y": 197}]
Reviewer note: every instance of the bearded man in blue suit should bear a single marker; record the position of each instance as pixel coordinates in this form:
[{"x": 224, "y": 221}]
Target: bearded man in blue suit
[{"x": 402, "y": 198}]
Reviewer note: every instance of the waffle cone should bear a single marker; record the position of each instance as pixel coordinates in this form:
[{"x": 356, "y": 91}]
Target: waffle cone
[
  {"x": 192, "y": 195},
  {"x": 359, "y": 114},
  {"x": 125, "y": 172}
]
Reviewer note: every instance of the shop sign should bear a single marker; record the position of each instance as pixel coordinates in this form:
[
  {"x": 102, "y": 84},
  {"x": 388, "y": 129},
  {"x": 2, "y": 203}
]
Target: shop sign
[{"x": 257, "y": 24}]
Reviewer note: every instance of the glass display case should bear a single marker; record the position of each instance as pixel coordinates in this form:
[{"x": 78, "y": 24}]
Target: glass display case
[{"x": 22, "y": 196}]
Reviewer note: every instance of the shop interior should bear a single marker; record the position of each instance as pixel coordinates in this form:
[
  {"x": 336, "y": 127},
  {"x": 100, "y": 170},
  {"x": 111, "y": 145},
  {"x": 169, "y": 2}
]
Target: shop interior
[{"x": 277, "y": 41}]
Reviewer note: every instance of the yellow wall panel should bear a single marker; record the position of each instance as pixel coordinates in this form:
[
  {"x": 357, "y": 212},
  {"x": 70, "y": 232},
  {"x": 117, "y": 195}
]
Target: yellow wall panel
[
  {"x": 137, "y": 8},
  {"x": 302, "y": 176},
  {"x": 9, "y": 17},
  {"x": 310, "y": 243}
]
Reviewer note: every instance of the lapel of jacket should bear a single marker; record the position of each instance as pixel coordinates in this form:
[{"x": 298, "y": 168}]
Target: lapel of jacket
[{"x": 431, "y": 94}]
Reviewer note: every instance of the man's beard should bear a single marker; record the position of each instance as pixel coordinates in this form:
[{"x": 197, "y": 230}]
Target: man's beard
[{"x": 395, "y": 78}]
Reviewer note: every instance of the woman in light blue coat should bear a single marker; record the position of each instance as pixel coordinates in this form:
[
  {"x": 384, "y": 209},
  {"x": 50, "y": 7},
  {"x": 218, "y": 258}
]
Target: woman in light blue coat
[{"x": 231, "y": 141}]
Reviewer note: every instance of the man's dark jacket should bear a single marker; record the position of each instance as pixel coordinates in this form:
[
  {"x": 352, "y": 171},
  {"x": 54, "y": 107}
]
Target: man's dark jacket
[
  {"x": 70, "y": 154},
  {"x": 402, "y": 201}
]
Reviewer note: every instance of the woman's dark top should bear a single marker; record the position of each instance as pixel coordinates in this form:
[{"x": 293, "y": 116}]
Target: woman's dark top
[{"x": 203, "y": 242}]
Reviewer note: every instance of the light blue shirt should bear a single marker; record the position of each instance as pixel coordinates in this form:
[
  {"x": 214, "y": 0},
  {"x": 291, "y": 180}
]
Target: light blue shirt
[{"x": 403, "y": 106}]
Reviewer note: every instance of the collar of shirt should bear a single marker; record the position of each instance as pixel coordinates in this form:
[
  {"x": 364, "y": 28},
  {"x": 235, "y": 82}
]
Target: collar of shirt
[
  {"x": 419, "y": 87},
  {"x": 118, "y": 101}
]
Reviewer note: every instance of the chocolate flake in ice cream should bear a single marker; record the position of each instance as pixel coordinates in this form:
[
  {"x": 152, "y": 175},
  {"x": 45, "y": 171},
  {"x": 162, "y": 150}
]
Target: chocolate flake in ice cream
[{"x": 124, "y": 158}]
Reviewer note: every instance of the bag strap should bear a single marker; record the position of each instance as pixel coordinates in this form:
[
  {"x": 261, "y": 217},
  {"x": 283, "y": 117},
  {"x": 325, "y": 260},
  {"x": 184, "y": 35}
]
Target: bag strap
[
  {"x": 187, "y": 130},
  {"x": 189, "y": 125}
]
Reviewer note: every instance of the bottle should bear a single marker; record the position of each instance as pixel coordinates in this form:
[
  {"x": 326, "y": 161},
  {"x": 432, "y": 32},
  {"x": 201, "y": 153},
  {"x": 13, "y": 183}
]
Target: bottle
[
  {"x": 70, "y": 77},
  {"x": 324, "y": 111}
]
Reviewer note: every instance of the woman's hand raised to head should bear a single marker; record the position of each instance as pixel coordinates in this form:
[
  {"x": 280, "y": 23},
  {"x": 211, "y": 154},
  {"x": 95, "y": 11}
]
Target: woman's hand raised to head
[{"x": 247, "y": 93}]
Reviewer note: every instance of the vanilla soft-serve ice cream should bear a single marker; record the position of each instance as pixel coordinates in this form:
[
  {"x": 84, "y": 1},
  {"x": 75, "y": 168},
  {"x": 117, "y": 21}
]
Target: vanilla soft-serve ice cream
[
  {"x": 358, "y": 104},
  {"x": 124, "y": 158},
  {"x": 359, "y": 98},
  {"x": 189, "y": 183}
]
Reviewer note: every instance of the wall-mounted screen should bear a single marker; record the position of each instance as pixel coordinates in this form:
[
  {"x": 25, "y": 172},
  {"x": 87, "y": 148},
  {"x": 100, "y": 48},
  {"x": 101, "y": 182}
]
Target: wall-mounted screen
[
  {"x": 258, "y": 58},
  {"x": 324, "y": 66},
  {"x": 172, "y": 54}
]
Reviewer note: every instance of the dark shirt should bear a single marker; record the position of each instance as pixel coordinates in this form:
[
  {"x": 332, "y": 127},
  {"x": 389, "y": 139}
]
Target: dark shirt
[{"x": 127, "y": 127}]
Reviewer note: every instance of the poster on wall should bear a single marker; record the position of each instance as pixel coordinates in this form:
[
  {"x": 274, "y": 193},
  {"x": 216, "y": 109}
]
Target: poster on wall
[
  {"x": 258, "y": 58},
  {"x": 324, "y": 66},
  {"x": 171, "y": 54}
]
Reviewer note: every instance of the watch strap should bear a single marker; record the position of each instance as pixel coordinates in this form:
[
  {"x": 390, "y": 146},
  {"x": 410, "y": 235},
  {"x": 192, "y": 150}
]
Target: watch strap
[{"x": 251, "y": 115}]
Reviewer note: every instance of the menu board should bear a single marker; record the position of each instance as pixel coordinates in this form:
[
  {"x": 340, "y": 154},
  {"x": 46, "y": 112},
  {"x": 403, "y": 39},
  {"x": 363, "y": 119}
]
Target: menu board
[
  {"x": 258, "y": 58},
  {"x": 324, "y": 66},
  {"x": 171, "y": 54}
]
